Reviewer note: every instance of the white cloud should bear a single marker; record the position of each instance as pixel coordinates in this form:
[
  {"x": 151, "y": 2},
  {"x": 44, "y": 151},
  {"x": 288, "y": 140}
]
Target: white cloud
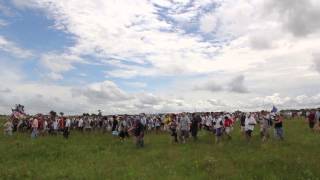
[
  {"x": 237, "y": 85},
  {"x": 316, "y": 60},
  {"x": 13, "y": 49},
  {"x": 271, "y": 44},
  {"x": 59, "y": 63},
  {"x": 297, "y": 16},
  {"x": 103, "y": 92},
  {"x": 208, "y": 23},
  {"x": 300, "y": 101},
  {"x": 140, "y": 85},
  {"x": 54, "y": 76}
]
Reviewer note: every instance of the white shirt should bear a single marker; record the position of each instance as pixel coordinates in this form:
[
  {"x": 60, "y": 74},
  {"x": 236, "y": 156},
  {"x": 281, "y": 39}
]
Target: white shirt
[
  {"x": 218, "y": 122},
  {"x": 80, "y": 123},
  {"x": 55, "y": 125},
  {"x": 209, "y": 121},
  {"x": 68, "y": 123},
  {"x": 45, "y": 125},
  {"x": 249, "y": 123},
  {"x": 143, "y": 120}
]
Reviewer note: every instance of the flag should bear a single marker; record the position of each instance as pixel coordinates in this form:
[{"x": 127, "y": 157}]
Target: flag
[{"x": 274, "y": 109}]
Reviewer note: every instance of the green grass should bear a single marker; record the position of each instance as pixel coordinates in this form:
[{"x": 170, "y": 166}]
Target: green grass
[{"x": 101, "y": 156}]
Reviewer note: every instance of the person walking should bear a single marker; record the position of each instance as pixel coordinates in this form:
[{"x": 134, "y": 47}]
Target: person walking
[
  {"x": 228, "y": 126},
  {"x": 278, "y": 126},
  {"x": 250, "y": 122},
  {"x": 184, "y": 127},
  {"x": 195, "y": 123},
  {"x": 34, "y": 126},
  {"x": 139, "y": 133},
  {"x": 266, "y": 124},
  {"x": 66, "y": 130}
]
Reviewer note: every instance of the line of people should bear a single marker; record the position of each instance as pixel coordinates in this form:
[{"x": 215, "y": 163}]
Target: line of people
[{"x": 180, "y": 125}]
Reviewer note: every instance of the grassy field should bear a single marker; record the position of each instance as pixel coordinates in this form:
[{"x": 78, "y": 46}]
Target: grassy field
[{"x": 101, "y": 156}]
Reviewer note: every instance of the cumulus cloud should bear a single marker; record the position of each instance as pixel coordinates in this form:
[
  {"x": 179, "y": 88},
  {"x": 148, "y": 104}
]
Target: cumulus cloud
[
  {"x": 149, "y": 99},
  {"x": 103, "y": 92},
  {"x": 216, "y": 102},
  {"x": 261, "y": 42},
  {"x": 13, "y": 49},
  {"x": 316, "y": 60},
  {"x": 208, "y": 23},
  {"x": 300, "y": 101},
  {"x": 140, "y": 85},
  {"x": 59, "y": 63},
  {"x": 5, "y": 90},
  {"x": 180, "y": 39},
  {"x": 54, "y": 76},
  {"x": 209, "y": 86},
  {"x": 297, "y": 16},
  {"x": 237, "y": 85},
  {"x": 130, "y": 30}
]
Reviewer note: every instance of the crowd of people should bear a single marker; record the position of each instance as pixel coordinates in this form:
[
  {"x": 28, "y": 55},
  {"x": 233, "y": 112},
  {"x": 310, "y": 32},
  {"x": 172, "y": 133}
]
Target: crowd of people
[{"x": 180, "y": 126}]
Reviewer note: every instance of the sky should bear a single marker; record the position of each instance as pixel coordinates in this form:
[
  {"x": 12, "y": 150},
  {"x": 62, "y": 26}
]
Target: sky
[{"x": 155, "y": 56}]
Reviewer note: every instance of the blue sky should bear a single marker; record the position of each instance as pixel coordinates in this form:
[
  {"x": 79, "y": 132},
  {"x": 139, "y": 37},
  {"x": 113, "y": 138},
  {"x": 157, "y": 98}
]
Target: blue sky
[{"x": 158, "y": 56}]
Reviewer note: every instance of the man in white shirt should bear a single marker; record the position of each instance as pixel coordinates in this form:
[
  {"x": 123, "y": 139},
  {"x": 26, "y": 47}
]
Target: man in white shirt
[
  {"x": 208, "y": 122},
  {"x": 218, "y": 124},
  {"x": 66, "y": 130},
  {"x": 80, "y": 124},
  {"x": 143, "y": 120},
  {"x": 55, "y": 126},
  {"x": 250, "y": 122}
]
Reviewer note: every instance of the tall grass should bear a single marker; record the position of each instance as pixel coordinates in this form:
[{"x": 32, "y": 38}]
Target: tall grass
[{"x": 100, "y": 156}]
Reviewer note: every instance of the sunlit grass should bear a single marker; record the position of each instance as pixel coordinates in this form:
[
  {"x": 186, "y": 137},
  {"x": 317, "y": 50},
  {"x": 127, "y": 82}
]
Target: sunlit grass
[{"x": 102, "y": 156}]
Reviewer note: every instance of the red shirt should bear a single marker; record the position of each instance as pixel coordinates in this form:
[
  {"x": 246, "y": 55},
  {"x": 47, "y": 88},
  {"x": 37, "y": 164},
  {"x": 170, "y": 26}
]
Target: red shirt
[
  {"x": 227, "y": 122},
  {"x": 61, "y": 123},
  {"x": 311, "y": 117}
]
